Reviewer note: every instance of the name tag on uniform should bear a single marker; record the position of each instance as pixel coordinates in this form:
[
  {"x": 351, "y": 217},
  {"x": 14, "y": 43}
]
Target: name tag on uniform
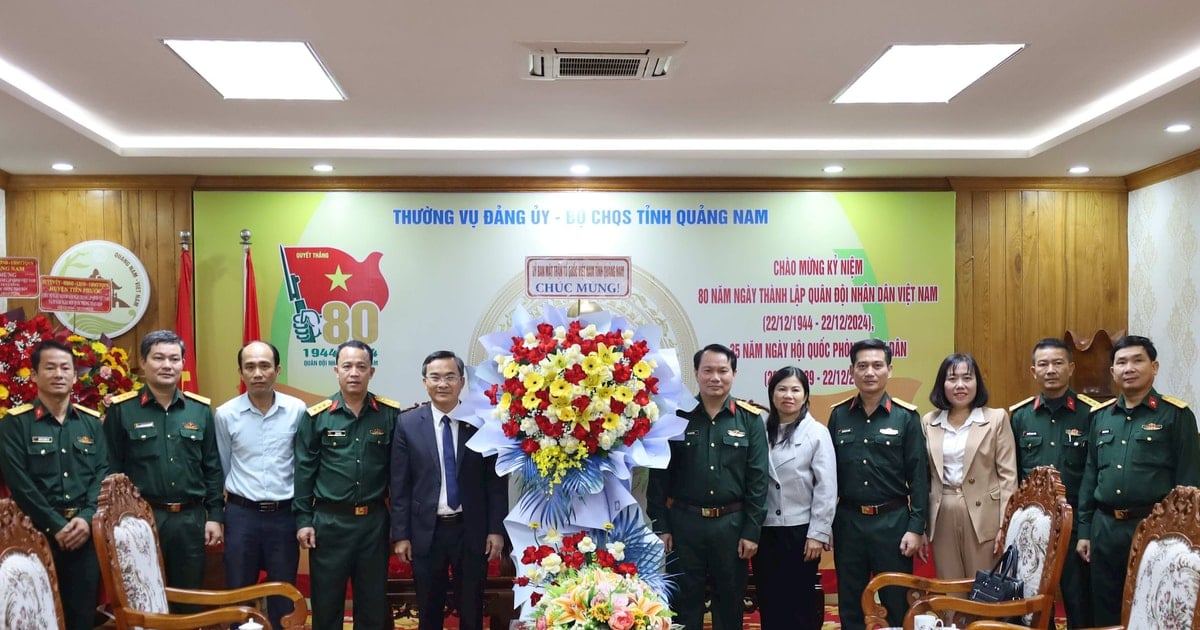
[
  {"x": 43, "y": 439},
  {"x": 143, "y": 425},
  {"x": 335, "y": 433},
  {"x": 1151, "y": 427},
  {"x": 1105, "y": 431},
  {"x": 737, "y": 433},
  {"x": 841, "y": 431},
  {"x": 889, "y": 432},
  {"x": 1034, "y": 433}
]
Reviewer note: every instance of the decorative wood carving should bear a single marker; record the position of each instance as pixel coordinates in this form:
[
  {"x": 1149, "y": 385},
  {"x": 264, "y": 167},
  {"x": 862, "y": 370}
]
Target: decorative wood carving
[{"x": 1093, "y": 357}]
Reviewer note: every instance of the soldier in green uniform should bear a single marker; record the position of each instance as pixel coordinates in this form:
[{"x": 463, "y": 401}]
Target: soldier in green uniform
[
  {"x": 883, "y": 483},
  {"x": 708, "y": 505},
  {"x": 54, "y": 458},
  {"x": 343, "y": 449},
  {"x": 1141, "y": 444},
  {"x": 164, "y": 440},
  {"x": 1051, "y": 429}
]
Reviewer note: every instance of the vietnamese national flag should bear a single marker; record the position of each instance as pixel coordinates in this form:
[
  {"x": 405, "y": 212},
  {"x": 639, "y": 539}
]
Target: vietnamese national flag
[
  {"x": 183, "y": 323},
  {"x": 328, "y": 274},
  {"x": 250, "y": 327}
]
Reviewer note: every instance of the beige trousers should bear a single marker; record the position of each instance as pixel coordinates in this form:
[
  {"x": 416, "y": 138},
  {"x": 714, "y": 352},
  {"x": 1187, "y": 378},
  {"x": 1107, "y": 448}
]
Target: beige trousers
[{"x": 956, "y": 551}]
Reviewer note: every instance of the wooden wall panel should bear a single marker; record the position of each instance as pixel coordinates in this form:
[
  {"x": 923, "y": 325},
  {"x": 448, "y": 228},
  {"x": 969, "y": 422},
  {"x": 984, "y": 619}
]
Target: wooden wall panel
[
  {"x": 1032, "y": 263},
  {"x": 1033, "y": 257},
  {"x": 44, "y": 218}
]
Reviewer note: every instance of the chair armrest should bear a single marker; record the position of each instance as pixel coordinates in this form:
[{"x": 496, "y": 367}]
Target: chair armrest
[
  {"x": 876, "y": 614},
  {"x": 1038, "y": 605},
  {"x": 216, "y": 617},
  {"x": 296, "y": 619}
]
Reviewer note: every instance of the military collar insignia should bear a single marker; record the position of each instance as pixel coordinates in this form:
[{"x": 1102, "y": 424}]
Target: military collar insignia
[
  {"x": 1151, "y": 402},
  {"x": 1071, "y": 403}
]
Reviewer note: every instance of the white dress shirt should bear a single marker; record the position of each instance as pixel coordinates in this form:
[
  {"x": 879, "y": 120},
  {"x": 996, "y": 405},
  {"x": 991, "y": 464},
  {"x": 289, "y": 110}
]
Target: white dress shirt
[
  {"x": 257, "y": 450},
  {"x": 443, "y": 504},
  {"x": 954, "y": 445}
]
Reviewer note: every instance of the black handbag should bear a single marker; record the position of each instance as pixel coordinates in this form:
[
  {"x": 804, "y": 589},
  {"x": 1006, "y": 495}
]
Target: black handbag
[{"x": 1001, "y": 584}]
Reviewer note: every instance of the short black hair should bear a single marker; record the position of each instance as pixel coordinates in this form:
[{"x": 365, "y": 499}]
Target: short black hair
[
  {"x": 353, "y": 343},
  {"x": 36, "y": 356},
  {"x": 937, "y": 395},
  {"x": 1130, "y": 341},
  {"x": 1053, "y": 342},
  {"x": 274, "y": 352},
  {"x": 719, "y": 349},
  {"x": 870, "y": 344},
  {"x": 156, "y": 337},
  {"x": 442, "y": 354}
]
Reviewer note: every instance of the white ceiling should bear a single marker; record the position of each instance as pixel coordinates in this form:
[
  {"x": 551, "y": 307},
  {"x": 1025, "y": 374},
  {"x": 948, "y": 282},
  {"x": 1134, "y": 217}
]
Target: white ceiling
[{"x": 430, "y": 71}]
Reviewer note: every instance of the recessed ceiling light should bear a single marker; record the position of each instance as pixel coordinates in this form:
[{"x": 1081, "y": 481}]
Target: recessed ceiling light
[
  {"x": 1079, "y": 170},
  {"x": 834, "y": 168},
  {"x": 1179, "y": 128},
  {"x": 62, "y": 166},
  {"x": 580, "y": 169},
  {"x": 259, "y": 70},
  {"x": 926, "y": 73},
  {"x": 323, "y": 168}
]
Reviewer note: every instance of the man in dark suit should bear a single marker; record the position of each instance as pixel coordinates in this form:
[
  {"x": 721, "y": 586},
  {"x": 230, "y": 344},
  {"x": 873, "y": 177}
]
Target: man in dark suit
[{"x": 448, "y": 505}]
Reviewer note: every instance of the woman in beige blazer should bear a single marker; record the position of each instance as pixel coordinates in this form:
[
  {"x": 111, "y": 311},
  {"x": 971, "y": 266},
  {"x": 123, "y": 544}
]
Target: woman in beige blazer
[{"x": 972, "y": 469}]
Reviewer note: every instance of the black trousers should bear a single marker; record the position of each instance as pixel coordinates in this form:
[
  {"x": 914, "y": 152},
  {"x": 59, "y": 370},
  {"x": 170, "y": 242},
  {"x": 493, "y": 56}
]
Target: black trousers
[
  {"x": 785, "y": 582},
  {"x": 449, "y": 551}
]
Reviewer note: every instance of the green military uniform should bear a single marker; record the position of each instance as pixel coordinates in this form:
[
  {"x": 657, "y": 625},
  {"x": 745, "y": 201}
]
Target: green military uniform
[
  {"x": 1135, "y": 456},
  {"x": 54, "y": 472},
  {"x": 341, "y": 482},
  {"x": 171, "y": 456},
  {"x": 717, "y": 487},
  {"x": 883, "y": 487},
  {"x": 1054, "y": 432}
]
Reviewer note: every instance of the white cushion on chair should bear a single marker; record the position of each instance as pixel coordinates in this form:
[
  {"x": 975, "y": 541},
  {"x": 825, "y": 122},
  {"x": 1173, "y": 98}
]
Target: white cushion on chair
[
  {"x": 1029, "y": 531},
  {"x": 1168, "y": 581},
  {"x": 137, "y": 553},
  {"x": 26, "y": 600}
]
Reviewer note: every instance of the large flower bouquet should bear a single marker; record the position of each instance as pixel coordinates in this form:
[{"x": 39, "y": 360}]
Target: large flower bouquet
[
  {"x": 17, "y": 339},
  {"x": 102, "y": 371},
  {"x": 591, "y": 579},
  {"x": 570, "y": 406}
]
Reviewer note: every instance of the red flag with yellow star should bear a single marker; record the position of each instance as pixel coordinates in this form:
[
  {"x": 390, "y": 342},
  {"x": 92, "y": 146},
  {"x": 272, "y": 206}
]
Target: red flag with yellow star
[
  {"x": 328, "y": 274},
  {"x": 184, "y": 326}
]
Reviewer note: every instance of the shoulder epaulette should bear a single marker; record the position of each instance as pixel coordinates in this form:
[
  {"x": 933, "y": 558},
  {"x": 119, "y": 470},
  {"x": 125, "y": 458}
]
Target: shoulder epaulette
[
  {"x": 198, "y": 398},
  {"x": 1088, "y": 400},
  {"x": 22, "y": 408},
  {"x": 904, "y": 403},
  {"x": 841, "y": 402},
  {"x": 1175, "y": 401},
  {"x": 120, "y": 398},
  {"x": 1017, "y": 406},
  {"x": 754, "y": 409},
  {"x": 1104, "y": 404},
  {"x": 88, "y": 410},
  {"x": 319, "y": 407},
  {"x": 387, "y": 401}
]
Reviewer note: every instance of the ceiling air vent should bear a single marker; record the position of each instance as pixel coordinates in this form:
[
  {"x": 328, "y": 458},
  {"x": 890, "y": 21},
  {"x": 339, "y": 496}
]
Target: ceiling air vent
[{"x": 552, "y": 61}]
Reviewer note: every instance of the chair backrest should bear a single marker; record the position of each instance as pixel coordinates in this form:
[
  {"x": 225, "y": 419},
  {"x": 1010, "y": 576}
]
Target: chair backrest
[
  {"x": 126, "y": 540},
  {"x": 1038, "y": 522},
  {"x": 1163, "y": 580},
  {"x": 28, "y": 582}
]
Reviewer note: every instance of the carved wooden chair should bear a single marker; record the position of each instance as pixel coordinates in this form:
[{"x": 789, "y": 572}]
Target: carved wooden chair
[
  {"x": 131, "y": 566},
  {"x": 1162, "y": 583},
  {"x": 1038, "y": 520},
  {"x": 28, "y": 582}
]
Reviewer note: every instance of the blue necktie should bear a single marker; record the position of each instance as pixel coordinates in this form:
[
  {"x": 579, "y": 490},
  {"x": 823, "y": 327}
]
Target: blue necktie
[{"x": 448, "y": 461}]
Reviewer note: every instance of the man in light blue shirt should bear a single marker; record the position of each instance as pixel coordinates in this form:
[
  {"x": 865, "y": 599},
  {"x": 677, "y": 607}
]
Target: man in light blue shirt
[{"x": 255, "y": 435}]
